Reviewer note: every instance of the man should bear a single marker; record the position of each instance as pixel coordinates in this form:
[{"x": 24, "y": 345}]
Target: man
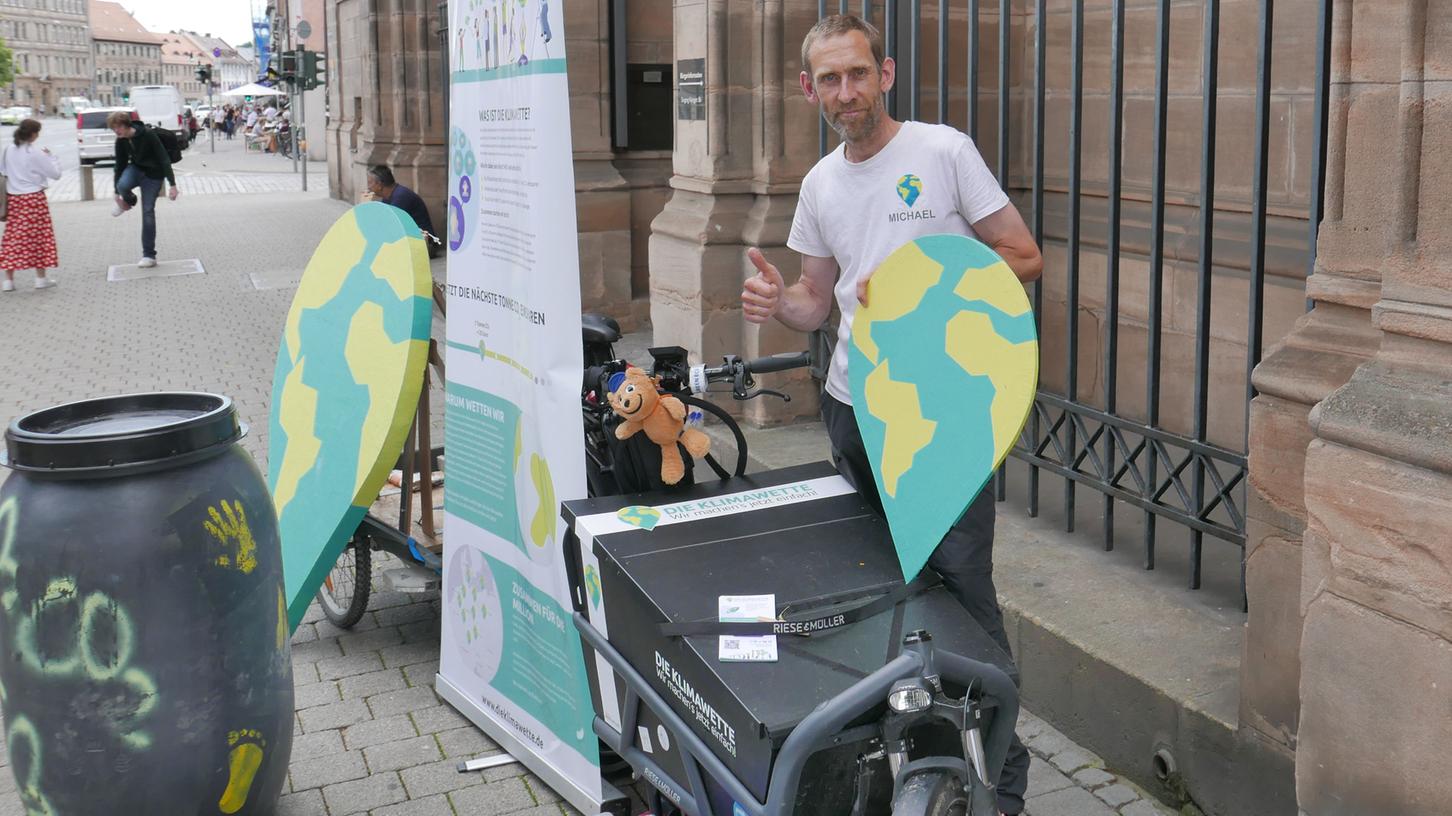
[
  {"x": 383, "y": 187},
  {"x": 141, "y": 161},
  {"x": 843, "y": 225}
]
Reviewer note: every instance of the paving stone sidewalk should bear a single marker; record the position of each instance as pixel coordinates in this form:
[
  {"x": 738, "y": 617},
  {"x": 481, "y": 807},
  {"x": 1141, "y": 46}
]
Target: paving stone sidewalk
[
  {"x": 230, "y": 170},
  {"x": 371, "y": 735}
]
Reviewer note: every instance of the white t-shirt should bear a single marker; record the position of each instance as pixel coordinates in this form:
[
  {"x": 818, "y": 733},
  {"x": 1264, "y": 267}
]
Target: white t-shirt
[
  {"x": 27, "y": 168},
  {"x": 854, "y": 212}
]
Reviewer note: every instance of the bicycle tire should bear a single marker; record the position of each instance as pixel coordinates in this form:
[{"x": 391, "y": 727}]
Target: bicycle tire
[
  {"x": 354, "y": 565},
  {"x": 729, "y": 422},
  {"x": 931, "y": 793}
]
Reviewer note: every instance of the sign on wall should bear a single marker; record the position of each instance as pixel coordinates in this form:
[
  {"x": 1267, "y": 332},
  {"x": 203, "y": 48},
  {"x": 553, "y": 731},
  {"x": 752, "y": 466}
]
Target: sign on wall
[
  {"x": 511, "y": 660},
  {"x": 691, "y": 89}
]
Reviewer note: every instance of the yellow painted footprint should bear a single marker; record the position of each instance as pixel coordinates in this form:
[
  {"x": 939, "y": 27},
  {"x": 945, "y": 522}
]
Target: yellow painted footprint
[{"x": 243, "y": 762}]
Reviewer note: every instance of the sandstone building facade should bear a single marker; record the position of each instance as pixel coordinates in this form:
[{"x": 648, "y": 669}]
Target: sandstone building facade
[
  {"x": 126, "y": 54},
  {"x": 180, "y": 58},
  {"x": 51, "y": 41}
]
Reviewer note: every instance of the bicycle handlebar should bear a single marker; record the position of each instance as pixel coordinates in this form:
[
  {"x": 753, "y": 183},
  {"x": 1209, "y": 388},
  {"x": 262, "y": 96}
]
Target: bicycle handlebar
[
  {"x": 739, "y": 372},
  {"x": 779, "y": 362}
]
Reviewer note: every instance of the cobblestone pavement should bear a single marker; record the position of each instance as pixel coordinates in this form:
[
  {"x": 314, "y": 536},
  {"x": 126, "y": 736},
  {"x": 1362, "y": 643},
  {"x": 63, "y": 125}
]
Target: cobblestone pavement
[{"x": 372, "y": 737}]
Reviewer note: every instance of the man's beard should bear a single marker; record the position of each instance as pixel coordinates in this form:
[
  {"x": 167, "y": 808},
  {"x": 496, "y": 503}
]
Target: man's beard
[{"x": 860, "y": 130}]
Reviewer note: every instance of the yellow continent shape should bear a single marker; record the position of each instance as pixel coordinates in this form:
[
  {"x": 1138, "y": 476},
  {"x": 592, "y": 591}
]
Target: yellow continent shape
[
  {"x": 342, "y": 246},
  {"x": 911, "y": 273},
  {"x": 518, "y": 442},
  {"x": 896, "y": 404},
  {"x": 380, "y": 365},
  {"x": 394, "y": 264},
  {"x": 298, "y": 406},
  {"x": 1002, "y": 292},
  {"x": 542, "y": 524},
  {"x": 1013, "y": 369}
]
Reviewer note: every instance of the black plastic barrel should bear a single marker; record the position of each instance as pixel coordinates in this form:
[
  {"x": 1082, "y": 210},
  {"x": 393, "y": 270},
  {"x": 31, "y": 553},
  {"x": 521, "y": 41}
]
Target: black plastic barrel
[{"x": 145, "y": 660}]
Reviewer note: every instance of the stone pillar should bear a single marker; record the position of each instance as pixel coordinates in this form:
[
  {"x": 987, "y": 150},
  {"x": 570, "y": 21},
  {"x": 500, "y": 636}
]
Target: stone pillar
[
  {"x": 1376, "y": 649},
  {"x": 602, "y": 195},
  {"x": 737, "y": 172},
  {"x": 1316, "y": 358},
  {"x": 409, "y": 90}
]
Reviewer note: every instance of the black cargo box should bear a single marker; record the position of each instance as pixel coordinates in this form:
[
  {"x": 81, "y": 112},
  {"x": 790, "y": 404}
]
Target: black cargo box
[{"x": 799, "y": 533}]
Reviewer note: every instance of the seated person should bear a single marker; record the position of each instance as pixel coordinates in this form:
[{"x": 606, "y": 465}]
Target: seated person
[{"x": 382, "y": 187}]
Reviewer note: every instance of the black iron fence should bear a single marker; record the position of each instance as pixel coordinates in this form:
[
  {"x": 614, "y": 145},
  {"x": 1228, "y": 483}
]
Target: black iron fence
[{"x": 1161, "y": 469}]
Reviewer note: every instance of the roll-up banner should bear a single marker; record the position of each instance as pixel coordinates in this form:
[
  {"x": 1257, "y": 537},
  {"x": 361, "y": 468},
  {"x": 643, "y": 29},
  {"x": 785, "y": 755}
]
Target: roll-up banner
[{"x": 511, "y": 660}]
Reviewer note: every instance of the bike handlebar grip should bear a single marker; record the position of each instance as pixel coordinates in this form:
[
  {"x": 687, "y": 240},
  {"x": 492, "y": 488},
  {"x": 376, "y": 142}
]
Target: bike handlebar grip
[{"x": 780, "y": 362}]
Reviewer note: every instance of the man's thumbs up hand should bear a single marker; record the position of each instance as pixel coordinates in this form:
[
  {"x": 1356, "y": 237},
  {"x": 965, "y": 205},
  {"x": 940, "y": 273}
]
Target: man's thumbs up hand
[{"x": 761, "y": 295}]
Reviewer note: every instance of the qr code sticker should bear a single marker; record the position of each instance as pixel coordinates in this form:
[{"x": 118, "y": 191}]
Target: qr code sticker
[{"x": 732, "y": 643}]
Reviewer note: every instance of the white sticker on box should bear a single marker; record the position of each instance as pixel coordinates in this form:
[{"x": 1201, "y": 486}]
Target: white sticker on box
[{"x": 747, "y": 609}]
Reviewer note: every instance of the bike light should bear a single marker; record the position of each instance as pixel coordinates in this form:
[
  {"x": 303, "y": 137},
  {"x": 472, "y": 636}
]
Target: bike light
[{"x": 910, "y": 695}]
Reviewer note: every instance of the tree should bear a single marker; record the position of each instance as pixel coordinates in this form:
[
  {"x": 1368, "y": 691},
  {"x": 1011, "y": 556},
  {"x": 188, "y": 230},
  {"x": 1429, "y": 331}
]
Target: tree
[{"x": 7, "y": 63}]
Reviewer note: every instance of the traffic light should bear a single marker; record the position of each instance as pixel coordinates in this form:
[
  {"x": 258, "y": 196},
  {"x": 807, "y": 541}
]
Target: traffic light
[
  {"x": 274, "y": 67},
  {"x": 315, "y": 70},
  {"x": 291, "y": 66},
  {"x": 204, "y": 74}
]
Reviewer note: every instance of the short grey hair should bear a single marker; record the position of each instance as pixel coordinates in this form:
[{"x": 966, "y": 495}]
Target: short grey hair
[{"x": 837, "y": 24}]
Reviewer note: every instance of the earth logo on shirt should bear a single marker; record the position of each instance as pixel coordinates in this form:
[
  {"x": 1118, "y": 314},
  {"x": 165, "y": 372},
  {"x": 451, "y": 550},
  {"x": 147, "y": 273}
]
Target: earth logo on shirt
[{"x": 909, "y": 187}]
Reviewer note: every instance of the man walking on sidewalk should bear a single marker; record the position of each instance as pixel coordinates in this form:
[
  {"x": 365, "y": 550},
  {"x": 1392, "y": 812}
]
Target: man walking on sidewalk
[{"x": 141, "y": 161}]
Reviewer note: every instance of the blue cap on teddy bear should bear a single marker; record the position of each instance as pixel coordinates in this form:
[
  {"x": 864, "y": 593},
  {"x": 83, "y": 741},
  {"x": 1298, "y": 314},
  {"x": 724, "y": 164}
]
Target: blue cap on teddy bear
[{"x": 615, "y": 380}]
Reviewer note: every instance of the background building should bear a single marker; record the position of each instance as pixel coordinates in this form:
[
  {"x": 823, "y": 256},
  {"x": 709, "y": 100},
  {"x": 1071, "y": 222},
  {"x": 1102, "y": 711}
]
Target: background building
[
  {"x": 235, "y": 67},
  {"x": 180, "y": 58},
  {"x": 126, "y": 54},
  {"x": 247, "y": 54},
  {"x": 52, "y": 45}
]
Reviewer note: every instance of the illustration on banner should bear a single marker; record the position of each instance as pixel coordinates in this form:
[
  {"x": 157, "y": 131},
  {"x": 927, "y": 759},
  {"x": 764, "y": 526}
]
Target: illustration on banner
[{"x": 492, "y": 34}]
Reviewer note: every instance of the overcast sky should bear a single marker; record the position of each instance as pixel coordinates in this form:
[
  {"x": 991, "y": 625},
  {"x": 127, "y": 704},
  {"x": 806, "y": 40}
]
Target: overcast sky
[{"x": 229, "y": 19}]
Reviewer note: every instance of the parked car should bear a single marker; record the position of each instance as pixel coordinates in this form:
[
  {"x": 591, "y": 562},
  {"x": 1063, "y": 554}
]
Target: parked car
[
  {"x": 94, "y": 141},
  {"x": 14, "y": 114},
  {"x": 71, "y": 105},
  {"x": 161, "y": 106}
]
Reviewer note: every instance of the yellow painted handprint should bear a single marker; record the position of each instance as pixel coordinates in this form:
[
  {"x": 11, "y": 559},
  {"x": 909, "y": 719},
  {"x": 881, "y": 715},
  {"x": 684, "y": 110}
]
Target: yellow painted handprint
[{"x": 230, "y": 529}]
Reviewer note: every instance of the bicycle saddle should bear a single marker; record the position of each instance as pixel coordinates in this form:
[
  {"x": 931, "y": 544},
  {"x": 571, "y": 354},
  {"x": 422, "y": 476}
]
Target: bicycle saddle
[{"x": 599, "y": 328}]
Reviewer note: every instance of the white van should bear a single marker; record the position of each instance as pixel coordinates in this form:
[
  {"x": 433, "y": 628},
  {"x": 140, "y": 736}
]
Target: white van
[
  {"x": 161, "y": 106},
  {"x": 94, "y": 141},
  {"x": 70, "y": 105}
]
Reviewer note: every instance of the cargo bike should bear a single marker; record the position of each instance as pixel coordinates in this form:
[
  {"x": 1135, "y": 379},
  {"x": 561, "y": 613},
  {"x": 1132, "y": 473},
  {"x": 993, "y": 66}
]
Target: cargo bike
[{"x": 870, "y": 705}]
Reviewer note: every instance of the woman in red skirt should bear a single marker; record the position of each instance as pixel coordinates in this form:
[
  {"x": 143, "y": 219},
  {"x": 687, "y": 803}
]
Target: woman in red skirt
[{"x": 29, "y": 241}]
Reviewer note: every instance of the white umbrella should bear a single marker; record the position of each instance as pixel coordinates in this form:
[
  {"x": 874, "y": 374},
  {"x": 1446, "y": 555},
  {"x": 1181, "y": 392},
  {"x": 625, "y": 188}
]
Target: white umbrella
[{"x": 252, "y": 89}]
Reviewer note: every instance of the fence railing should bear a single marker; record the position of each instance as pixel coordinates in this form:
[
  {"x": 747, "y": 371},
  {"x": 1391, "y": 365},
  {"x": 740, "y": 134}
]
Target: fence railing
[{"x": 1134, "y": 458}]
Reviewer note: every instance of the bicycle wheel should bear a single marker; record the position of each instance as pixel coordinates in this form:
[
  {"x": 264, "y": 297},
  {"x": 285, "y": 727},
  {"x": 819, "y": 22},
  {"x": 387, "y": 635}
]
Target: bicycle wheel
[
  {"x": 344, "y": 594},
  {"x": 931, "y": 793}
]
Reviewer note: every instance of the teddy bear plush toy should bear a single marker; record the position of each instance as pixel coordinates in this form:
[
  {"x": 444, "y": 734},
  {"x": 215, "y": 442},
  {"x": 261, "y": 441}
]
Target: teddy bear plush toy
[{"x": 639, "y": 402}]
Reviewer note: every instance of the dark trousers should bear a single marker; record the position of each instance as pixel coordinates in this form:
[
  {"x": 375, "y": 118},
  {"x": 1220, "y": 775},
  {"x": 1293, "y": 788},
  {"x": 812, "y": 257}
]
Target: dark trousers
[
  {"x": 131, "y": 178},
  {"x": 964, "y": 559}
]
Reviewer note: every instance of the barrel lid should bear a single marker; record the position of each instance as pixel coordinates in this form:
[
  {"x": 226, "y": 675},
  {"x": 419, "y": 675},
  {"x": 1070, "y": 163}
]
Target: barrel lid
[{"x": 124, "y": 433}]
